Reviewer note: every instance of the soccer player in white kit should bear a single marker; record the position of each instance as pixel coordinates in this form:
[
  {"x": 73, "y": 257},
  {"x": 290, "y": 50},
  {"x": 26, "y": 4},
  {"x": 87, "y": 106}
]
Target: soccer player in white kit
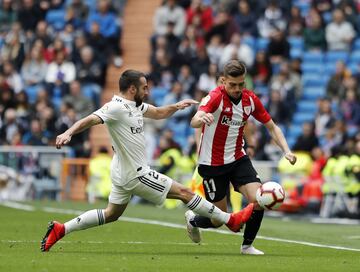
[{"x": 130, "y": 174}]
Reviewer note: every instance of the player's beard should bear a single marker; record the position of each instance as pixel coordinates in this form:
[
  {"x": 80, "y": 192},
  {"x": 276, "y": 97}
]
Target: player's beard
[{"x": 138, "y": 99}]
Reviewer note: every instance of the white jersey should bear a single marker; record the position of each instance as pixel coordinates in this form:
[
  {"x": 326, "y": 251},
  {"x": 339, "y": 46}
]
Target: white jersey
[{"x": 126, "y": 127}]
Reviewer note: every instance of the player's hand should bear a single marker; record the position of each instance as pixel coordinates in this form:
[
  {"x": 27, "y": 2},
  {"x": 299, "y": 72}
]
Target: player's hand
[
  {"x": 291, "y": 157},
  {"x": 62, "y": 139},
  {"x": 185, "y": 103},
  {"x": 207, "y": 119}
]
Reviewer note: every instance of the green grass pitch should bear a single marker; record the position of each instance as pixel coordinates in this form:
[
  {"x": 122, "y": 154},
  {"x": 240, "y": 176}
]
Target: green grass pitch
[{"x": 131, "y": 246}]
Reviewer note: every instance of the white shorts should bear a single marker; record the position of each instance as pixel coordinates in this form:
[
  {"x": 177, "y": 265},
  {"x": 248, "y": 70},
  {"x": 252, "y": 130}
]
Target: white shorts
[{"x": 153, "y": 187}]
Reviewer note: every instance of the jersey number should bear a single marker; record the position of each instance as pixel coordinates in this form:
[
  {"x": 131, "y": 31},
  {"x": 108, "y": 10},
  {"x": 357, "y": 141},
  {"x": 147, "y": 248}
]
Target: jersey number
[{"x": 210, "y": 185}]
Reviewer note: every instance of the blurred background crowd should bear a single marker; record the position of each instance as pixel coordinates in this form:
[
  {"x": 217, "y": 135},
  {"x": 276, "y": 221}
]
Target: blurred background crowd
[{"x": 303, "y": 60}]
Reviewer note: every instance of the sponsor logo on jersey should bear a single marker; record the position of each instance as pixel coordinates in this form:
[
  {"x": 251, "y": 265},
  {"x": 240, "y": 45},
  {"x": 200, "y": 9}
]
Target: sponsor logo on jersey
[
  {"x": 136, "y": 130},
  {"x": 227, "y": 121}
]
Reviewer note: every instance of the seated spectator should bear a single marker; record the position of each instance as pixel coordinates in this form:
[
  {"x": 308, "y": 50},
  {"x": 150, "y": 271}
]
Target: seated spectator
[
  {"x": 56, "y": 46},
  {"x": 34, "y": 68},
  {"x": 10, "y": 126},
  {"x": 307, "y": 140},
  {"x": 271, "y": 20},
  {"x": 245, "y": 19},
  {"x": 13, "y": 78},
  {"x": 278, "y": 48},
  {"x": 278, "y": 108},
  {"x": 187, "y": 80},
  {"x": 324, "y": 118},
  {"x": 237, "y": 50},
  {"x": 169, "y": 11},
  {"x": 215, "y": 49},
  {"x": 29, "y": 15},
  {"x": 339, "y": 33},
  {"x": 207, "y": 81},
  {"x": 224, "y": 25},
  {"x": 350, "y": 108},
  {"x": 13, "y": 50},
  {"x": 335, "y": 88},
  {"x": 186, "y": 52},
  {"x": 42, "y": 33},
  {"x": 322, "y": 6},
  {"x": 296, "y": 23},
  {"x": 199, "y": 11},
  {"x": 81, "y": 104},
  {"x": 314, "y": 35},
  {"x": 37, "y": 135},
  {"x": 81, "y": 10},
  {"x": 8, "y": 15},
  {"x": 261, "y": 70}
]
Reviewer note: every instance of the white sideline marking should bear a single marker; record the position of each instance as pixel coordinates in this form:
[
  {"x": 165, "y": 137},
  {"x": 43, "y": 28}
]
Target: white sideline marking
[{"x": 19, "y": 206}]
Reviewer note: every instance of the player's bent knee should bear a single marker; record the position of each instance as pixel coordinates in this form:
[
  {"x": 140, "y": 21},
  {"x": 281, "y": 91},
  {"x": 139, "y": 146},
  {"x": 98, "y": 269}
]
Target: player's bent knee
[{"x": 111, "y": 215}]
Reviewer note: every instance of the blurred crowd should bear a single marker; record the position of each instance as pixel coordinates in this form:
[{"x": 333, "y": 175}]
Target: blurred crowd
[
  {"x": 53, "y": 60},
  {"x": 194, "y": 38}
]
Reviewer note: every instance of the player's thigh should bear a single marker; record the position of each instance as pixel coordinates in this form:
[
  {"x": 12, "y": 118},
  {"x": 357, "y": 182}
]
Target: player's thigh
[
  {"x": 216, "y": 188},
  {"x": 153, "y": 187},
  {"x": 249, "y": 190}
]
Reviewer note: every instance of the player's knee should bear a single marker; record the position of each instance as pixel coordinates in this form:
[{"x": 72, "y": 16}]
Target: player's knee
[
  {"x": 111, "y": 215},
  {"x": 186, "y": 194}
]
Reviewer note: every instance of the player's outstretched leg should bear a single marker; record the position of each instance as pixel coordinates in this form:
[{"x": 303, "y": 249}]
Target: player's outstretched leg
[
  {"x": 238, "y": 219},
  {"x": 54, "y": 233}
]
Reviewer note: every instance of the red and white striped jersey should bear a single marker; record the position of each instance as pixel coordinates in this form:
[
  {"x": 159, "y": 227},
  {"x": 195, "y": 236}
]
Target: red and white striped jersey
[{"x": 222, "y": 142}]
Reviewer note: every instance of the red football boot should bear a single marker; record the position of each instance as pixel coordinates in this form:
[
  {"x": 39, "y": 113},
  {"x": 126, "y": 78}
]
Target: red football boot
[
  {"x": 238, "y": 219},
  {"x": 54, "y": 233}
]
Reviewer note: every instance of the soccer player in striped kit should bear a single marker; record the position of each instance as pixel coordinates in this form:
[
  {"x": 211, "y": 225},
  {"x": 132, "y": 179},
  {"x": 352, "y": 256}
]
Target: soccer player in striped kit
[{"x": 222, "y": 115}]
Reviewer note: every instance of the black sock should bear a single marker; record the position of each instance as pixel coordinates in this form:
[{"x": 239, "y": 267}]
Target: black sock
[
  {"x": 201, "y": 222},
  {"x": 252, "y": 227}
]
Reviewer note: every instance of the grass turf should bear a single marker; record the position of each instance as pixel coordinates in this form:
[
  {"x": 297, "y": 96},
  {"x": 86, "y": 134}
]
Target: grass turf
[{"x": 127, "y": 246}]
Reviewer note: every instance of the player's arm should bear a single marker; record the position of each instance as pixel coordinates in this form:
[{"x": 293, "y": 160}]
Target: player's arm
[
  {"x": 280, "y": 140},
  {"x": 249, "y": 139},
  {"x": 201, "y": 118},
  {"x": 76, "y": 128},
  {"x": 166, "y": 111}
]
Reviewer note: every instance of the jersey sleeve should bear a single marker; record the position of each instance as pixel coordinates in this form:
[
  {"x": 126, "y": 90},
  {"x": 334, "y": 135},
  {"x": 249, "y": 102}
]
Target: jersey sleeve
[
  {"x": 259, "y": 111},
  {"x": 144, "y": 107},
  {"x": 210, "y": 103},
  {"x": 109, "y": 112}
]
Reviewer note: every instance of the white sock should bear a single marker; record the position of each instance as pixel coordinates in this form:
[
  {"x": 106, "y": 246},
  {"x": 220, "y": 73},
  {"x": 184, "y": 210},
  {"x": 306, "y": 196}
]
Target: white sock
[
  {"x": 86, "y": 220},
  {"x": 203, "y": 207}
]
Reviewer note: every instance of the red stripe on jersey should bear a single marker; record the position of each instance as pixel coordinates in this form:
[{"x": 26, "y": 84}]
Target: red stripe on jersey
[{"x": 221, "y": 133}]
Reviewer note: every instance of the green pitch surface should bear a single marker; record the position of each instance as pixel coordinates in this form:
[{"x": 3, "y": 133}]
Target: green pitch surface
[{"x": 148, "y": 246}]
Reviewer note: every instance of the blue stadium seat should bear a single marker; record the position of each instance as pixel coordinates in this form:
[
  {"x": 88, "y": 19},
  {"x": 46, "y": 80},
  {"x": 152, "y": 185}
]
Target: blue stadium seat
[
  {"x": 250, "y": 41},
  {"x": 334, "y": 56},
  {"x": 313, "y": 57},
  {"x": 355, "y": 56},
  {"x": 330, "y": 69},
  {"x": 56, "y": 18},
  {"x": 356, "y": 44},
  {"x": 294, "y": 131},
  {"x": 316, "y": 81},
  {"x": 261, "y": 43},
  {"x": 296, "y": 53},
  {"x": 263, "y": 90},
  {"x": 313, "y": 67},
  {"x": 302, "y": 117},
  {"x": 296, "y": 42},
  {"x": 307, "y": 106},
  {"x": 313, "y": 93},
  {"x": 157, "y": 94},
  {"x": 291, "y": 141},
  {"x": 354, "y": 67}
]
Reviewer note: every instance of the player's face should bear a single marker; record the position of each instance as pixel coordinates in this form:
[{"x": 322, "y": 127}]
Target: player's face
[
  {"x": 234, "y": 85},
  {"x": 141, "y": 92}
]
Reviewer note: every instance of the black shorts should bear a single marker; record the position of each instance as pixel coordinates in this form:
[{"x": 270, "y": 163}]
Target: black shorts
[{"x": 216, "y": 180}]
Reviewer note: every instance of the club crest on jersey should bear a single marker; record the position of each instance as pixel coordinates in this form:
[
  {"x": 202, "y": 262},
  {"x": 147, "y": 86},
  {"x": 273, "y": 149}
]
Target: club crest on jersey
[
  {"x": 227, "y": 121},
  {"x": 205, "y": 100},
  {"x": 247, "y": 110},
  {"x": 212, "y": 195}
]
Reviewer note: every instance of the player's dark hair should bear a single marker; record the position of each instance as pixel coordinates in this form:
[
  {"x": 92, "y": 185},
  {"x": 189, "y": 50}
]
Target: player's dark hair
[
  {"x": 128, "y": 78},
  {"x": 234, "y": 68}
]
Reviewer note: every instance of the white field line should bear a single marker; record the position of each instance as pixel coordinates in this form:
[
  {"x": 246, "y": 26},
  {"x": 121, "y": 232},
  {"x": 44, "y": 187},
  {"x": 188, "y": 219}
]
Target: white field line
[{"x": 16, "y": 205}]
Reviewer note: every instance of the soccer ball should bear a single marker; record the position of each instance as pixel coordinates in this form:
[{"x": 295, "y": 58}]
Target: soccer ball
[{"x": 270, "y": 195}]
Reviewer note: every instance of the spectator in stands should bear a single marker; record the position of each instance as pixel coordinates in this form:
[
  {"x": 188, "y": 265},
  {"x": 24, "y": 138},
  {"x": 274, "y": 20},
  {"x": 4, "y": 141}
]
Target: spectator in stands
[
  {"x": 37, "y": 135},
  {"x": 42, "y": 33},
  {"x": 186, "y": 79},
  {"x": 13, "y": 50},
  {"x": 186, "y": 52},
  {"x": 322, "y": 6},
  {"x": 29, "y": 15},
  {"x": 348, "y": 7},
  {"x": 350, "y": 108},
  {"x": 12, "y": 77},
  {"x": 10, "y": 126},
  {"x": 237, "y": 50},
  {"x": 314, "y": 35},
  {"x": 245, "y": 19},
  {"x": 296, "y": 23},
  {"x": 324, "y": 118},
  {"x": 94, "y": 39},
  {"x": 271, "y": 20},
  {"x": 215, "y": 49},
  {"x": 7, "y": 15},
  {"x": 278, "y": 108},
  {"x": 308, "y": 140},
  {"x": 339, "y": 33},
  {"x": 200, "y": 14},
  {"x": 80, "y": 9},
  {"x": 80, "y": 42},
  {"x": 272, "y": 151},
  {"x": 7, "y": 97},
  {"x": 68, "y": 36},
  {"x": 172, "y": 41},
  {"x": 54, "y": 47},
  {"x": 224, "y": 25},
  {"x": 33, "y": 70},
  {"x": 208, "y": 81},
  {"x": 161, "y": 69},
  {"x": 261, "y": 70},
  {"x": 81, "y": 104},
  {"x": 22, "y": 108},
  {"x": 169, "y": 11},
  {"x": 335, "y": 87},
  {"x": 71, "y": 18},
  {"x": 278, "y": 48}
]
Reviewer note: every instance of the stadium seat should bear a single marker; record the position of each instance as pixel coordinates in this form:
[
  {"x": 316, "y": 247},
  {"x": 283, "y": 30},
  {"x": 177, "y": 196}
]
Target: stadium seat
[
  {"x": 263, "y": 90},
  {"x": 313, "y": 93},
  {"x": 294, "y": 131},
  {"x": 261, "y": 43},
  {"x": 249, "y": 40},
  {"x": 157, "y": 94},
  {"x": 354, "y": 67},
  {"x": 334, "y": 56},
  {"x": 314, "y": 81},
  {"x": 307, "y": 106},
  {"x": 312, "y": 68},
  {"x": 356, "y": 44},
  {"x": 296, "y": 53},
  {"x": 56, "y": 18},
  {"x": 355, "y": 56},
  {"x": 313, "y": 57},
  {"x": 296, "y": 42},
  {"x": 302, "y": 117}
]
